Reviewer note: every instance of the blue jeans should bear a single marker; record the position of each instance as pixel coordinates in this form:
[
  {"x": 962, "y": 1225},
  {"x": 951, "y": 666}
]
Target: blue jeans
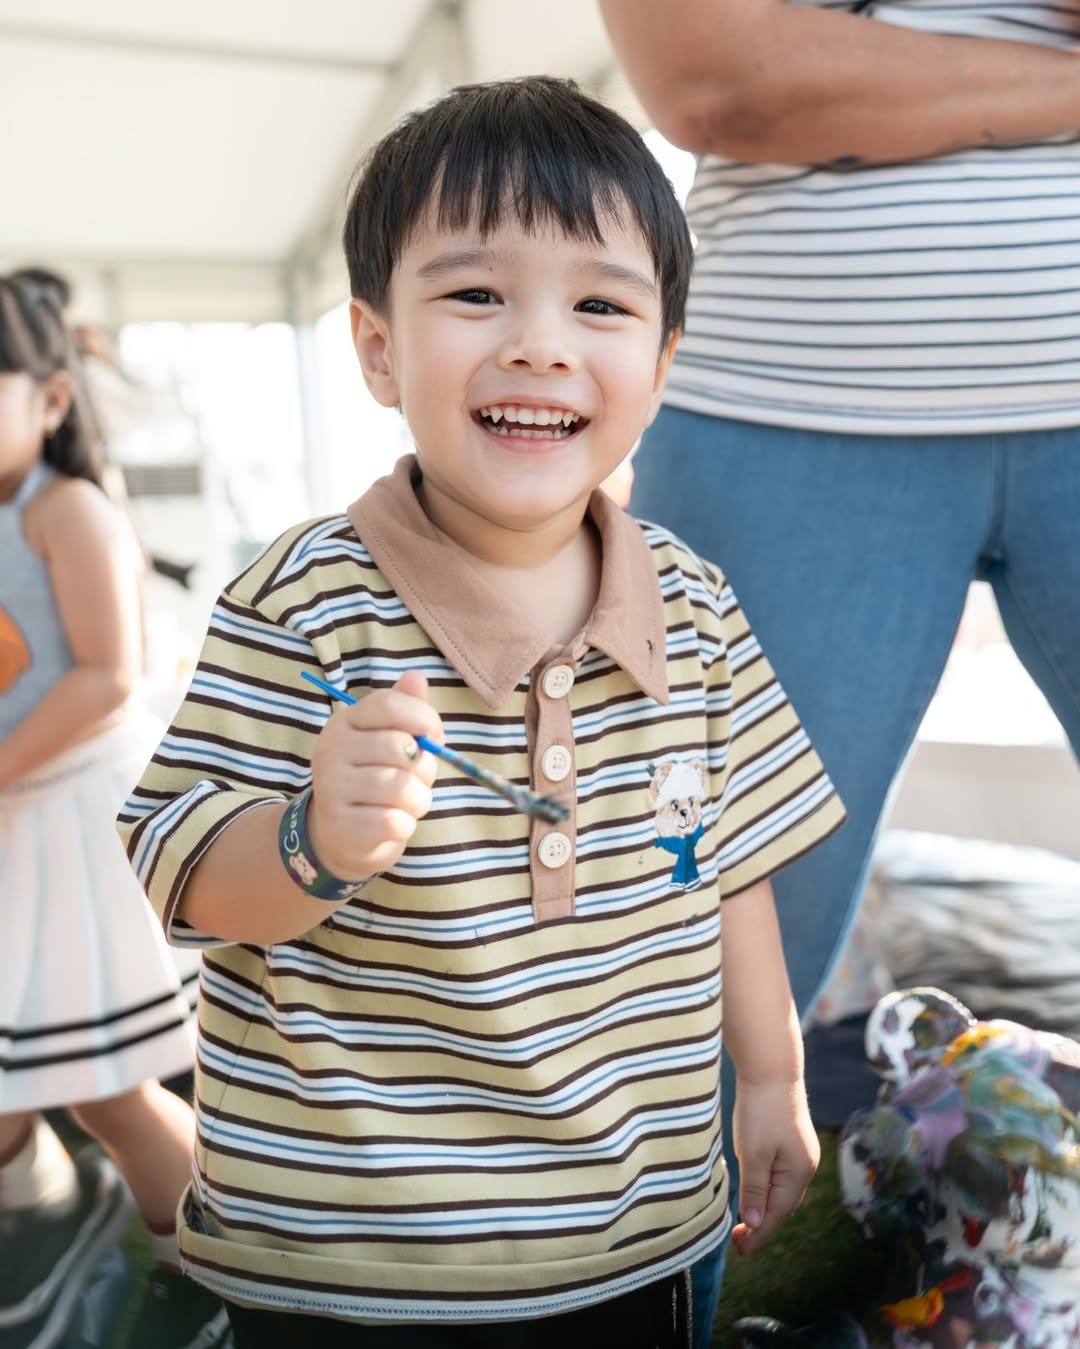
[
  {"x": 706, "y": 1278},
  {"x": 852, "y": 556}
]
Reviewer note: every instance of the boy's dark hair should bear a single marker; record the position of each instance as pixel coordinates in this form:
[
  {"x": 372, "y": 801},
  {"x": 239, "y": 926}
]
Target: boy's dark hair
[
  {"x": 35, "y": 340},
  {"x": 538, "y": 146}
]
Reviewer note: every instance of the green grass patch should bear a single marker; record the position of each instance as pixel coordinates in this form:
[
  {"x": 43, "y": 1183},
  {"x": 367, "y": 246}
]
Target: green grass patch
[{"x": 817, "y": 1264}]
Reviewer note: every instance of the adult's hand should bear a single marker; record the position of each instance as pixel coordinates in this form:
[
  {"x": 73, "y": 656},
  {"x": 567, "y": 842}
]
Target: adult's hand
[{"x": 764, "y": 81}]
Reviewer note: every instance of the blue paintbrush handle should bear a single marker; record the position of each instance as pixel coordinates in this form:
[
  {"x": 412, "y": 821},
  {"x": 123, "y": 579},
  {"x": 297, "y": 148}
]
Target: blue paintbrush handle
[{"x": 543, "y": 807}]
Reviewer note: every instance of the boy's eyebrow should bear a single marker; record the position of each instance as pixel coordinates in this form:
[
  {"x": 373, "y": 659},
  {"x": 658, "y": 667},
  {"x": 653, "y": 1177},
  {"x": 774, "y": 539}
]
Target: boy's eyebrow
[
  {"x": 459, "y": 257},
  {"x": 488, "y": 257},
  {"x": 615, "y": 271}
]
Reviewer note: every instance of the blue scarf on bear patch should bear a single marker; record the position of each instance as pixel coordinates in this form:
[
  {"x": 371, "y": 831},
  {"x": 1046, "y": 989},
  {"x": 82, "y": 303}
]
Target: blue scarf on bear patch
[{"x": 685, "y": 872}]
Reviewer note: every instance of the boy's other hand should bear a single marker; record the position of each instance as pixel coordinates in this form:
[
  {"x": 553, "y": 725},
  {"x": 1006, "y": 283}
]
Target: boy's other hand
[
  {"x": 778, "y": 1153},
  {"x": 370, "y": 785}
]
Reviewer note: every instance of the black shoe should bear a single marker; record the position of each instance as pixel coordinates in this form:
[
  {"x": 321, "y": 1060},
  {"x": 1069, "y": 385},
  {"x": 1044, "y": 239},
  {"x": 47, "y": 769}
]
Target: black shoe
[{"x": 47, "y": 1258}]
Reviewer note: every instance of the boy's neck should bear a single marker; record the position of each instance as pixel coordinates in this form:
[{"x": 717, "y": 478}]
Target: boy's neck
[{"x": 557, "y": 590}]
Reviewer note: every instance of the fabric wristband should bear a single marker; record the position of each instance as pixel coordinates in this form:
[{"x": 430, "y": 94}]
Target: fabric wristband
[{"x": 299, "y": 858}]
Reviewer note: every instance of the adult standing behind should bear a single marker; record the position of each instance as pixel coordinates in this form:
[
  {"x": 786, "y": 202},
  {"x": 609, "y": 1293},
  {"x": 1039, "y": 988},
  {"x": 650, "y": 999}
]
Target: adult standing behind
[{"x": 877, "y": 397}]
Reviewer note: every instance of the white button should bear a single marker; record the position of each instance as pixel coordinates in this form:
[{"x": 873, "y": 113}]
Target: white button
[
  {"x": 554, "y": 850},
  {"x": 555, "y": 763},
  {"x": 558, "y": 681}
]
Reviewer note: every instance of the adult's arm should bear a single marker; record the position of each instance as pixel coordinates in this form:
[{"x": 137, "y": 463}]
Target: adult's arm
[{"x": 764, "y": 81}]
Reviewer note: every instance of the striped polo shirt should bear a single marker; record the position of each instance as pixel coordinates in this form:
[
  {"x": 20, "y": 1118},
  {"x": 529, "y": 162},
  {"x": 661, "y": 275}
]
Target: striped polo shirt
[
  {"x": 936, "y": 296},
  {"x": 487, "y": 1087}
]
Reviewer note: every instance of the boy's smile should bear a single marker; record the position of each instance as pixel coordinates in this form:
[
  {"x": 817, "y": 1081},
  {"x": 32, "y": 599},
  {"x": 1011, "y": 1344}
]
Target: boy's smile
[
  {"x": 542, "y": 423},
  {"x": 526, "y": 364}
]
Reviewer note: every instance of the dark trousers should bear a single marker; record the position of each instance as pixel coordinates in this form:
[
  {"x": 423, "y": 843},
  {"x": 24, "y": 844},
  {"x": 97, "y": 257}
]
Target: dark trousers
[{"x": 654, "y": 1317}]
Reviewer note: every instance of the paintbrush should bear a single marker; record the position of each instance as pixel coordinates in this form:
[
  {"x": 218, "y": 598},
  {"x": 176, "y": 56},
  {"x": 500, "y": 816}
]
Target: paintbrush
[{"x": 542, "y": 807}]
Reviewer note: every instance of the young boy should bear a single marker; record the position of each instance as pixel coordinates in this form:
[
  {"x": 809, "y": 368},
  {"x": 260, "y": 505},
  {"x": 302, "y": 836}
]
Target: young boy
[{"x": 458, "y": 1069}]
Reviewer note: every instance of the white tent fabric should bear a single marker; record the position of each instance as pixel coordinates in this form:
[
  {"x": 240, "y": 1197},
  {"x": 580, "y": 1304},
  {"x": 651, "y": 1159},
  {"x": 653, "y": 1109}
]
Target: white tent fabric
[{"x": 191, "y": 161}]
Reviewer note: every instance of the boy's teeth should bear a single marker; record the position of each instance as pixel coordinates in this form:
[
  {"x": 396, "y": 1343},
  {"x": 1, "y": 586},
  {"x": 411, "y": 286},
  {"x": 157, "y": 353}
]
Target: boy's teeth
[
  {"x": 529, "y": 416},
  {"x": 532, "y": 432}
]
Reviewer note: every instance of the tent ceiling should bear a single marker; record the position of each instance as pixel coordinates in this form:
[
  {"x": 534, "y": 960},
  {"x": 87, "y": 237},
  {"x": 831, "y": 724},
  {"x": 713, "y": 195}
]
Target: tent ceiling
[{"x": 191, "y": 161}]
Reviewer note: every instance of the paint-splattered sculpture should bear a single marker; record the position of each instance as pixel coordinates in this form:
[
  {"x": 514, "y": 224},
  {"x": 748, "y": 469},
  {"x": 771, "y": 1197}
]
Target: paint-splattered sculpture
[{"x": 968, "y": 1169}]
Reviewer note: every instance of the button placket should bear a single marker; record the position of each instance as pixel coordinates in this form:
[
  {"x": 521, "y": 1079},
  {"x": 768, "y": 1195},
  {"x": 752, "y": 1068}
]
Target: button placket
[{"x": 552, "y": 853}]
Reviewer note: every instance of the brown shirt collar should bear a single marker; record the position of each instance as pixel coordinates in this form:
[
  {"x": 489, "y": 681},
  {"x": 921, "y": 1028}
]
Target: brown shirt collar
[{"x": 491, "y": 644}]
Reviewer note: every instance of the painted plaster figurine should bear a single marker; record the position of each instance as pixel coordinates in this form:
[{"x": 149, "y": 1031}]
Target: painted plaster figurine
[{"x": 968, "y": 1167}]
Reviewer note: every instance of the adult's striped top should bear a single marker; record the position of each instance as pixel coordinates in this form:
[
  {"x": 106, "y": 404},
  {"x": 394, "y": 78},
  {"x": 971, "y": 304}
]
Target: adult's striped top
[
  {"x": 487, "y": 1087},
  {"x": 936, "y": 296}
]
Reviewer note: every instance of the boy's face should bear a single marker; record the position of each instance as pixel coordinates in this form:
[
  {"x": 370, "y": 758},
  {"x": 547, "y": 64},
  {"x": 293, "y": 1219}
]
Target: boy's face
[{"x": 526, "y": 366}]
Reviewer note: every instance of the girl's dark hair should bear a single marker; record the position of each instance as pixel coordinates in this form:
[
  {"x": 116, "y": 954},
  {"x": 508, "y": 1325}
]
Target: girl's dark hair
[
  {"x": 537, "y": 146},
  {"x": 35, "y": 340}
]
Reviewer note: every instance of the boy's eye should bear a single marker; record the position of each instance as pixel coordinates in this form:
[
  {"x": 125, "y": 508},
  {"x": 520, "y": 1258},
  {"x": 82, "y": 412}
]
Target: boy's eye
[
  {"x": 595, "y": 306},
  {"x": 475, "y": 295}
]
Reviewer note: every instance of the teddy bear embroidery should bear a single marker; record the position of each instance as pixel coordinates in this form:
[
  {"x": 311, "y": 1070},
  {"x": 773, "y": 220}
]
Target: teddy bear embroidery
[{"x": 678, "y": 788}]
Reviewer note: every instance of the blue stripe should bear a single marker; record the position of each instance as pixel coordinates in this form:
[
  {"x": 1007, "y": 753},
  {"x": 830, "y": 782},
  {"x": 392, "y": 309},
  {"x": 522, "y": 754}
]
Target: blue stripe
[
  {"x": 773, "y": 826},
  {"x": 573, "y": 967},
  {"x": 367, "y": 1156},
  {"x": 356, "y": 1092}
]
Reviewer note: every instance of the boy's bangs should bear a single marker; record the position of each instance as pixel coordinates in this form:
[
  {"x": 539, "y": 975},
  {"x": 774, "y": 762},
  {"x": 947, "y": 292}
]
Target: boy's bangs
[
  {"x": 482, "y": 185},
  {"x": 536, "y": 151}
]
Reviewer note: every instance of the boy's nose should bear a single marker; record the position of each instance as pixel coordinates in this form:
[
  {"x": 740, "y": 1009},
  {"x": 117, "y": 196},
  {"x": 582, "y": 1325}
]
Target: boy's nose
[{"x": 539, "y": 345}]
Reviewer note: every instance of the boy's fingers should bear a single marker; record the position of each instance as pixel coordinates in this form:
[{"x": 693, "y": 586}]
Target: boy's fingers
[
  {"x": 786, "y": 1195},
  {"x": 404, "y": 708},
  {"x": 753, "y": 1195},
  {"x": 753, "y": 1208},
  {"x": 764, "y": 1208},
  {"x": 414, "y": 684},
  {"x": 748, "y": 1239}
]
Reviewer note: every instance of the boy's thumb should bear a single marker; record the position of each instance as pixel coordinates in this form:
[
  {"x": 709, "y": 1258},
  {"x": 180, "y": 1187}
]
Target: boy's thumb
[
  {"x": 752, "y": 1201},
  {"x": 413, "y": 683}
]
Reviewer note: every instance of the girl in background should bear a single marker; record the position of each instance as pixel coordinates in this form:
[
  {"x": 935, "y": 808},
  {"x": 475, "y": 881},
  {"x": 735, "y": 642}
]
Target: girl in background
[{"x": 93, "y": 1010}]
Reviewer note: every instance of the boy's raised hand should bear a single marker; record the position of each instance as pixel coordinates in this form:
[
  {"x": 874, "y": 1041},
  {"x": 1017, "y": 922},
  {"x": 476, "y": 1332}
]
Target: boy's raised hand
[{"x": 370, "y": 784}]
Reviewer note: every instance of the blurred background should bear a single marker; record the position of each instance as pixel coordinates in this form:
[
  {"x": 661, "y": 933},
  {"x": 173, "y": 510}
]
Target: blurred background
[{"x": 186, "y": 167}]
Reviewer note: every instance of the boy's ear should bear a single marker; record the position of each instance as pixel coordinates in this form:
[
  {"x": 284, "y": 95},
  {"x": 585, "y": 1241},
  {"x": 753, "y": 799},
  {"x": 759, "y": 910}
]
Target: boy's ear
[
  {"x": 663, "y": 365},
  {"x": 371, "y": 338}
]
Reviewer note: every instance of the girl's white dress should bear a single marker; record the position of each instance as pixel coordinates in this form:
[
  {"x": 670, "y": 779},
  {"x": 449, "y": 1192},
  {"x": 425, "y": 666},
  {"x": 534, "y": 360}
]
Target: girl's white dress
[{"x": 92, "y": 1000}]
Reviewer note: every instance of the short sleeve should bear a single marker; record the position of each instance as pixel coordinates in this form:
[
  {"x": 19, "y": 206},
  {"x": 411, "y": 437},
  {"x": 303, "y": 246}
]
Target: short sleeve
[
  {"x": 242, "y": 738},
  {"x": 776, "y": 799}
]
